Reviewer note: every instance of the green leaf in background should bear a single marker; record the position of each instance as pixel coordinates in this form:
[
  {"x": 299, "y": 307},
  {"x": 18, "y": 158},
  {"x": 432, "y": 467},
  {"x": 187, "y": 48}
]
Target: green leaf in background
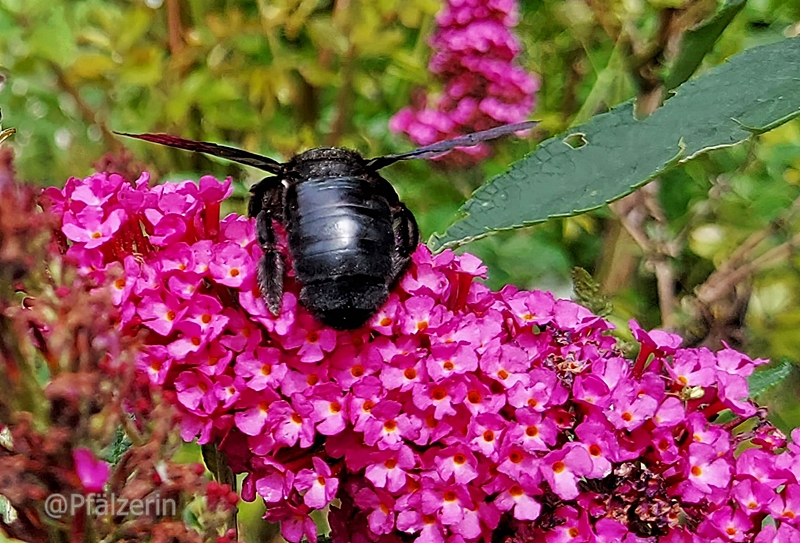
[
  {"x": 753, "y": 92},
  {"x": 53, "y": 39},
  {"x": 767, "y": 378},
  {"x": 588, "y": 293},
  {"x": 696, "y": 43}
]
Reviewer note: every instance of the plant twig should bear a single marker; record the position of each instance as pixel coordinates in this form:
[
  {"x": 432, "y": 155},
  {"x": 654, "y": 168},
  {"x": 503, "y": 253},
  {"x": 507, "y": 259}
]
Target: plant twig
[
  {"x": 723, "y": 280},
  {"x": 89, "y": 115},
  {"x": 344, "y": 98},
  {"x": 633, "y": 213},
  {"x": 174, "y": 27}
]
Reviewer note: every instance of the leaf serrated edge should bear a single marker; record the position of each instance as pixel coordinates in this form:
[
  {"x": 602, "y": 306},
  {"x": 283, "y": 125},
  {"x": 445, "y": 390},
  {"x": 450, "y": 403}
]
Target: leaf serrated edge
[{"x": 763, "y": 380}]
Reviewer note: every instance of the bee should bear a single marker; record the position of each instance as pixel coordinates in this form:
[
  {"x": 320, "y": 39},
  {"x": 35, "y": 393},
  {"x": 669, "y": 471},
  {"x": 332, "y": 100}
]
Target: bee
[{"x": 349, "y": 235}]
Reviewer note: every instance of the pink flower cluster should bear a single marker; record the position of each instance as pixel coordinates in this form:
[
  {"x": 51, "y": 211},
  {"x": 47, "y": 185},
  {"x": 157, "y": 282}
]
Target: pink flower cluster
[
  {"x": 456, "y": 414},
  {"x": 474, "y": 56}
]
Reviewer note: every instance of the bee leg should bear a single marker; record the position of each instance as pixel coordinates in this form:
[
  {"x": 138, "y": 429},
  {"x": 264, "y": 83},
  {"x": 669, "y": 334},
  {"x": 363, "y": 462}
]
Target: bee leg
[
  {"x": 271, "y": 267},
  {"x": 406, "y": 238}
]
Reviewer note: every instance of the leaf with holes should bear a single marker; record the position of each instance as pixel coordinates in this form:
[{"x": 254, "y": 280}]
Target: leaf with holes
[{"x": 614, "y": 153}]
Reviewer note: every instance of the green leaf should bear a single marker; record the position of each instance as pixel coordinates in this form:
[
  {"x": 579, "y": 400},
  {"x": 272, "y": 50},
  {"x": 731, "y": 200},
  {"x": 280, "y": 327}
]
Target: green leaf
[
  {"x": 217, "y": 463},
  {"x": 588, "y": 293},
  {"x": 698, "y": 42},
  {"x": 92, "y": 66},
  {"x": 767, "y": 378},
  {"x": 753, "y": 92},
  {"x": 52, "y": 39}
]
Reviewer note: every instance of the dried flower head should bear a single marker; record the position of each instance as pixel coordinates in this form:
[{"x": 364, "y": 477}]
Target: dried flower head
[{"x": 70, "y": 387}]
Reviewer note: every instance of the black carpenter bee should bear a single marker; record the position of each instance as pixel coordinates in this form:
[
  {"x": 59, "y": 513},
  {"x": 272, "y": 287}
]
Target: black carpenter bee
[{"x": 349, "y": 235}]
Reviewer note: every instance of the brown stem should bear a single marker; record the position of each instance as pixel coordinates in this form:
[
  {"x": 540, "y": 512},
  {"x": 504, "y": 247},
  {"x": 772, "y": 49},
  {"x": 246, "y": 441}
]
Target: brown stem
[
  {"x": 605, "y": 16},
  {"x": 665, "y": 279},
  {"x": 619, "y": 259},
  {"x": 344, "y": 98},
  {"x": 634, "y": 212},
  {"x": 89, "y": 115},
  {"x": 174, "y": 27},
  {"x": 743, "y": 261},
  {"x": 720, "y": 282}
]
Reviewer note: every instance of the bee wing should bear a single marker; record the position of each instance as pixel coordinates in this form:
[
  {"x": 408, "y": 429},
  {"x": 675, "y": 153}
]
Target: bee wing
[
  {"x": 442, "y": 147},
  {"x": 222, "y": 151}
]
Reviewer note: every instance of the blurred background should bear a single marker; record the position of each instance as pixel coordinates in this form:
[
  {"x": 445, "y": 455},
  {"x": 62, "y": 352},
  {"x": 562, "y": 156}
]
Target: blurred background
[{"x": 280, "y": 77}]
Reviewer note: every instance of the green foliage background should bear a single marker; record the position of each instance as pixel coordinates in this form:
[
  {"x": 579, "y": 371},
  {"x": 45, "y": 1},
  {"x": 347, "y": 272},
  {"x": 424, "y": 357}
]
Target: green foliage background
[{"x": 282, "y": 76}]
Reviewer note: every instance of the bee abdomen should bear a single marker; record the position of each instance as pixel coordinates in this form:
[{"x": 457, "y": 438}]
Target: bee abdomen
[
  {"x": 339, "y": 229},
  {"x": 344, "y": 302}
]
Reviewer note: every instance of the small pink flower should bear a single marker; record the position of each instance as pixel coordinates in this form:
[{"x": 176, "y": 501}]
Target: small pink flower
[
  {"x": 563, "y": 468},
  {"x": 388, "y": 469},
  {"x": 161, "y": 312},
  {"x": 92, "y": 227},
  {"x": 231, "y": 265},
  {"x": 314, "y": 340},
  {"x": 706, "y": 470},
  {"x": 319, "y": 487}
]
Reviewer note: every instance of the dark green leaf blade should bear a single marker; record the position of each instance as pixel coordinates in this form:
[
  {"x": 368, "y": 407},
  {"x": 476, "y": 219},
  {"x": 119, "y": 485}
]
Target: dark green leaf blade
[
  {"x": 767, "y": 378},
  {"x": 697, "y": 42},
  {"x": 753, "y": 92}
]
